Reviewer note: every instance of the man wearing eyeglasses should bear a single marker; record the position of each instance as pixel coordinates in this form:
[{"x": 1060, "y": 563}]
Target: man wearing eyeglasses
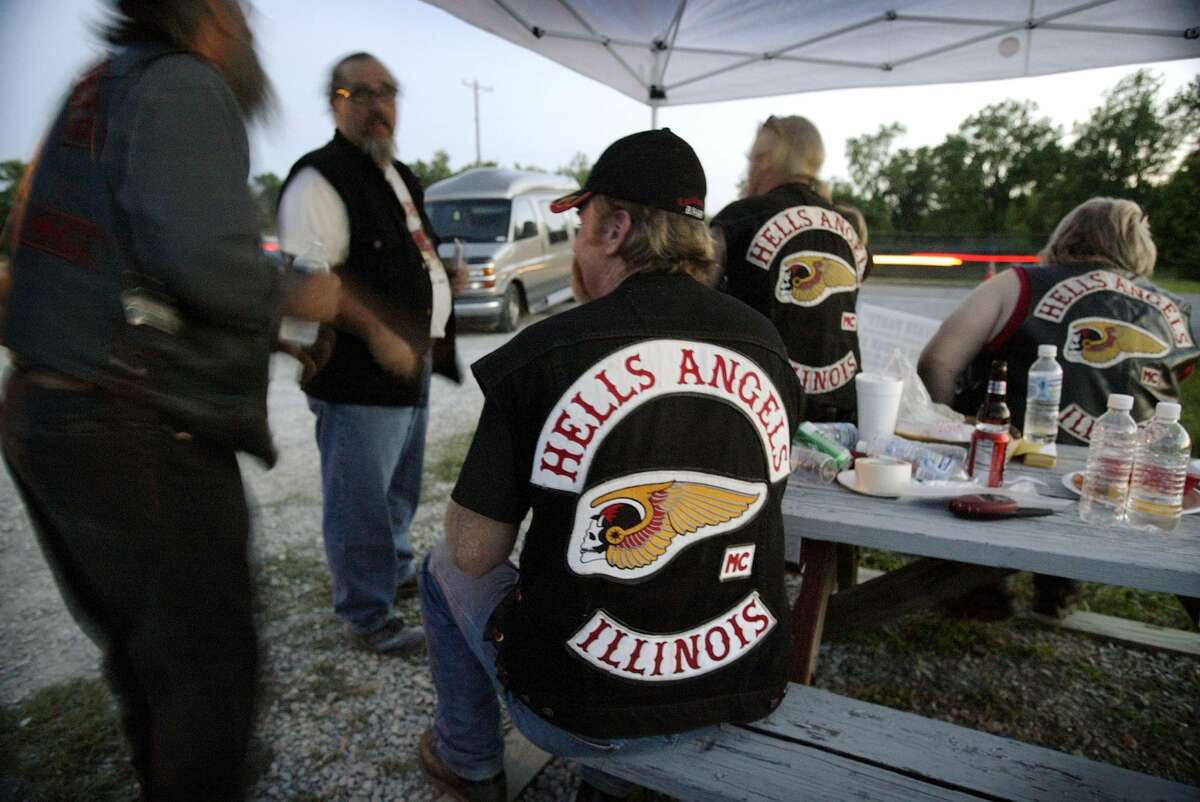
[
  {"x": 357, "y": 207},
  {"x": 790, "y": 255}
]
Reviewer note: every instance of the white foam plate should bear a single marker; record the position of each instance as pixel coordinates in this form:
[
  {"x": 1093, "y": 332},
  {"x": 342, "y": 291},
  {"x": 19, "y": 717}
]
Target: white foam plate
[{"x": 1191, "y": 501}]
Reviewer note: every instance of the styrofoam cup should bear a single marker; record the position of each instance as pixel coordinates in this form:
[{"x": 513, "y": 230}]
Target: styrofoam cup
[
  {"x": 882, "y": 476},
  {"x": 878, "y": 403}
]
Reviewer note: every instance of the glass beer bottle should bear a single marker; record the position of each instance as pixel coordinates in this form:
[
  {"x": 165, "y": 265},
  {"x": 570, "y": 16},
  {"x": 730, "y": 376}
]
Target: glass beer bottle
[{"x": 989, "y": 442}]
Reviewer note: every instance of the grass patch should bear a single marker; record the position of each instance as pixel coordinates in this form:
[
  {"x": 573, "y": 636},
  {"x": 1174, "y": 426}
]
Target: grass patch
[
  {"x": 65, "y": 743},
  {"x": 1183, "y": 286},
  {"x": 1189, "y": 397},
  {"x": 881, "y": 560},
  {"x": 1161, "y": 609},
  {"x": 297, "y": 581},
  {"x": 327, "y": 680},
  {"x": 443, "y": 461}
]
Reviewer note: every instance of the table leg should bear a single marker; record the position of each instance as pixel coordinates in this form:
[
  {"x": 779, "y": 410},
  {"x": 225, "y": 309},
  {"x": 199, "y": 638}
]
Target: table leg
[
  {"x": 919, "y": 584},
  {"x": 847, "y": 565},
  {"x": 817, "y": 563}
]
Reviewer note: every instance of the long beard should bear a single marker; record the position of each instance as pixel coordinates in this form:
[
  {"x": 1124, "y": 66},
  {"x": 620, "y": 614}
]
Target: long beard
[
  {"x": 381, "y": 149},
  {"x": 249, "y": 82}
]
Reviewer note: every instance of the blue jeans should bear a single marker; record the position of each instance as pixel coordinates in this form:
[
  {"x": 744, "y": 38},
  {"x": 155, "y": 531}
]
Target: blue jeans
[
  {"x": 456, "y": 609},
  {"x": 146, "y": 532},
  {"x": 371, "y": 461}
]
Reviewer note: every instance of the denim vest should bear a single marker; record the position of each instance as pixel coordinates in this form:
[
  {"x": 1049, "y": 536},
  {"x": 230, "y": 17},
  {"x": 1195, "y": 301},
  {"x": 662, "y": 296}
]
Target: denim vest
[{"x": 82, "y": 305}]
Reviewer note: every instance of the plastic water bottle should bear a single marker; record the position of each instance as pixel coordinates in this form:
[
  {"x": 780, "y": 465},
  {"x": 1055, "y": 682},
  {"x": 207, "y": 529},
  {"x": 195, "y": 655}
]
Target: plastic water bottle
[
  {"x": 311, "y": 260},
  {"x": 1042, "y": 397},
  {"x": 930, "y": 462},
  {"x": 1159, "y": 471},
  {"x": 1109, "y": 464},
  {"x": 844, "y": 433},
  {"x": 812, "y": 465}
]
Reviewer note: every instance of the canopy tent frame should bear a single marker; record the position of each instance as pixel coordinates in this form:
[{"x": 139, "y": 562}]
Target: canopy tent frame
[{"x": 657, "y": 91}]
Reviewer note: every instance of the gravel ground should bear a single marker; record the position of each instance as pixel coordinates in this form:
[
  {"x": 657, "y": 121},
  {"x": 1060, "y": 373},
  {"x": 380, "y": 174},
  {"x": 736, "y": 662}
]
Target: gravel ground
[{"x": 343, "y": 724}]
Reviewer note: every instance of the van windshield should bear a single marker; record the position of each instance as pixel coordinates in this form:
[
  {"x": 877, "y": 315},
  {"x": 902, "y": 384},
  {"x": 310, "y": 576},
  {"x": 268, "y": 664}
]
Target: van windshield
[{"x": 470, "y": 220}]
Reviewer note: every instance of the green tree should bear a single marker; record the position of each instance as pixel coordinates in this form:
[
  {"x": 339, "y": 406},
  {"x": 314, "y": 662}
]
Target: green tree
[
  {"x": 435, "y": 169},
  {"x": 579, "y": 168},
  {"x": 992, "y": 166},
  {"x": 265, "y": 188},
  {"x": 1131, "y": 141},
  {"x": 1173, "y": 221}
]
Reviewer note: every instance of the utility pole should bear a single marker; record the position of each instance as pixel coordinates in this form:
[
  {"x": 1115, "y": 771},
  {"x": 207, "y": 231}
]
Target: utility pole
[{"x": 475, "y": 88}]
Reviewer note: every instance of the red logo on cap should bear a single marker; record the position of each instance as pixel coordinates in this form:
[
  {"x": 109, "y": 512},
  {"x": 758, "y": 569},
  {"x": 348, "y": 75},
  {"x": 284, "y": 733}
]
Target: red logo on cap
[{"x": 697, "y": 202}]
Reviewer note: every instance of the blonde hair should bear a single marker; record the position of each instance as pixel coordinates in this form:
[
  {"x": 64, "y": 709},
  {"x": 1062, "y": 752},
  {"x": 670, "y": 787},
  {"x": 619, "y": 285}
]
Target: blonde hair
[
  {"x": 799, "y": 150},
  {"x": 856, "y": 220},
  {"x": 1110, "y": 231},
  {"x": 660, "y": 241}
]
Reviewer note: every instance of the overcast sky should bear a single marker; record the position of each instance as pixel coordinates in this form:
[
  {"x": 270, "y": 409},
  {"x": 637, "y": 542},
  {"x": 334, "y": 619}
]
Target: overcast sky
[{"x": 537, "y": 112}]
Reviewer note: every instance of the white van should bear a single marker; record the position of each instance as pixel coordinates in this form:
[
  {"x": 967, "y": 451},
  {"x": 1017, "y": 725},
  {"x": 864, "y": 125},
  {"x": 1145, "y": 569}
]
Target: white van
[{"x": 519, "y": 253}]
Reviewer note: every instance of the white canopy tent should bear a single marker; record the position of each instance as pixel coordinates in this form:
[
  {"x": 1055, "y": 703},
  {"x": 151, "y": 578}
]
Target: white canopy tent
[{"x": 675, "y": 52}]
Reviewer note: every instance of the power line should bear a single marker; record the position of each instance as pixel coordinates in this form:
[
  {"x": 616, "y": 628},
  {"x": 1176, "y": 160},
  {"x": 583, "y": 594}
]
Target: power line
[{"x": 474, "y": 86}]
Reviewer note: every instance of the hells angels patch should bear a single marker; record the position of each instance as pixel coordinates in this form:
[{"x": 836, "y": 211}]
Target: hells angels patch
[
  {"x": 1103, "y": 342},
  {"x": 630, "y": 527},
  {"x": 612, "y": 388},
  {"x": 807, "y": 278},
  {"x": 616, "y": 649}
]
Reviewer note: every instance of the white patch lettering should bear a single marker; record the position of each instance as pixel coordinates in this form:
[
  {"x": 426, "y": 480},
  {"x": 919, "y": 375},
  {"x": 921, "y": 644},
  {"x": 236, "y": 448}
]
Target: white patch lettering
[
  {"x": 1057, "y": 301},
  {"x": 780, "y": 229},
  {"x": 827, "y": 378},
  {"x": 613, "y": 387},
  {"x": 613, "y": 648},
  {"x": 738, "y": 562}
]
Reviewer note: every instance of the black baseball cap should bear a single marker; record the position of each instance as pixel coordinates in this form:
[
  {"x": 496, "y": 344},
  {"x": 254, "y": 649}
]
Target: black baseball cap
[{"x": 653, "y": 168}]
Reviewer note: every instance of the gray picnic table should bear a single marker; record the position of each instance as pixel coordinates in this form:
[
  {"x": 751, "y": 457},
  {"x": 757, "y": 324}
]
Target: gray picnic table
[{"x": 958, "y": 555}]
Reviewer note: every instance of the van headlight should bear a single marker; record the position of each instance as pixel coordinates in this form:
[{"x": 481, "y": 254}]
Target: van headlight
[{"x": 482, "y": 276}]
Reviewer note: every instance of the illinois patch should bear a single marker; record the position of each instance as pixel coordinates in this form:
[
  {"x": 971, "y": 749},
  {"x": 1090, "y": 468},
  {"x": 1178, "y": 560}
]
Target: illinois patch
[
  {"x": 630, "y": 527},
  {"x": 1102, "y": 342},
  {"x": 807, "y": 278},
  {"x": 622, "y": 651},
  {"x": 826, "y": 378}
]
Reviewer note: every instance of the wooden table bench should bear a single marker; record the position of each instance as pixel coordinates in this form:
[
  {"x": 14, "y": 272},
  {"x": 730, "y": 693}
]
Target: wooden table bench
[{"x": 822, "y": 746}]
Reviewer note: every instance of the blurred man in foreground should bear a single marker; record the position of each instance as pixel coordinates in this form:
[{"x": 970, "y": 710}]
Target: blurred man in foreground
[
  {"x": 648, "y": 432},
  {"x": 140, "y": 324}
]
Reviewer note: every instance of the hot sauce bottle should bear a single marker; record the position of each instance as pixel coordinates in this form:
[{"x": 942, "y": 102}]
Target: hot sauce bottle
[{"x": 990, "y": 440}]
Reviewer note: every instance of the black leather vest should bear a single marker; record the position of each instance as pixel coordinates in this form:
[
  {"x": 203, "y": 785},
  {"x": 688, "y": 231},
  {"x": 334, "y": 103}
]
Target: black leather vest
[
  {"x": 654, "y": 424},
  {"x": 795, "y": 260},
  {"x": 386, "y": 267},
  {"x": 1115, "y": 334}
]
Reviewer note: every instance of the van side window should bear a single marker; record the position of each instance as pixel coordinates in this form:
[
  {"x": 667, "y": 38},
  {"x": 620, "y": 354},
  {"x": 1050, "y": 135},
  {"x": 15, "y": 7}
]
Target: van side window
[
  {"x": 524, "y": 221},
  {"x": 556, "y": 224}
]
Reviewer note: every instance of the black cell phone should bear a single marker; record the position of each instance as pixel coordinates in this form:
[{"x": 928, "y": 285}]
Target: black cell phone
[{"x": 991, "y": 506}]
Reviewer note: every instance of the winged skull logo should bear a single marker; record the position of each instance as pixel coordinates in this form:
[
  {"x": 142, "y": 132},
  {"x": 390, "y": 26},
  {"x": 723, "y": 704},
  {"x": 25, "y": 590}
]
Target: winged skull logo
[
  {"x": 636, "y": 524},
  {"x": 1100, "y": 342},
  {"x": 806, "y": 278}
]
